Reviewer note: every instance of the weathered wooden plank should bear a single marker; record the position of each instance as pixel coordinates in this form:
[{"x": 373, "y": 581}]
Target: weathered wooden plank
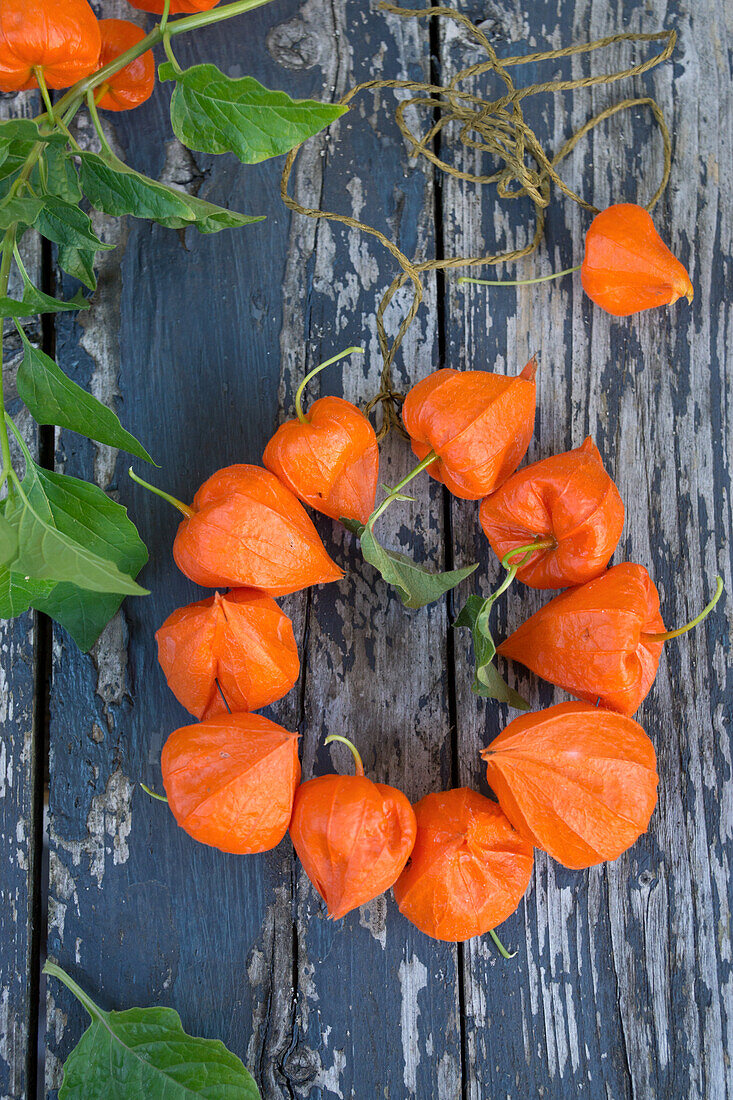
[
  {"x": 19, "y": 829},
  {"x": 183, "y": 340},
  {"x": 377, "y": 1002},
  {"x": 620, "y": 986}
]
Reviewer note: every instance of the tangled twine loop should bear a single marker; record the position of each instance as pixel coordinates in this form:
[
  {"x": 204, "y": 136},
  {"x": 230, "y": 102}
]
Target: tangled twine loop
[{"x": 496, "y": 127}]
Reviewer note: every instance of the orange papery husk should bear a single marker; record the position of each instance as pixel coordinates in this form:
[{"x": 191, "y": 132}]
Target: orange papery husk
[
  {"x": 242, "y": 640},
  {"x": 60, "y": 37},
  {"x": 627, "y": 267},
  {"x": 575, "y": 780},
  {"x": 178, "y": 7},
  {"x": 353, "y": 838},
  {"x": 568, "y": 498},
  {"x": 478, "y": 424},
  {"x": 249, "y": 531},
  {"x": 231, "y": 780},
  {"x": 331, "y": 462},
  {"x": 132, "y": 85},
  {"x": 590, "y": 640},
  {"x": 469, "y": 868}
]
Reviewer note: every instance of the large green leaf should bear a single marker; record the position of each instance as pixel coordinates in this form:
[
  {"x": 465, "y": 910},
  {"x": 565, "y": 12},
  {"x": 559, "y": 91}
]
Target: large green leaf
[
  {"x": 25, "y": 211},
  {"x": 63, "y": 223},
  {"x": 17, "y": 593},
  {"x": 59, "y": 175},
  {"x": 116, "y": 189},
  {"x": 8, "y": 541},
  {"x": 416, "y": 585},
  {"x": 82, "y": 613},
  {"x": 145, "y": 1053},
  {"x": 215, "y": 113},
  {"x": 26, "y": 131},
  {"x": 487, "y": 681},
  {"x": 52, "y": 398},
  {"x": 35, "y": 301},
  {"x": 68, "y": 530}
]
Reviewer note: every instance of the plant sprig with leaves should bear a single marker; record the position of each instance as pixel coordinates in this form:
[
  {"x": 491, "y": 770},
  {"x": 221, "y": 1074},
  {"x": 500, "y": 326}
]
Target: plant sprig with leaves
[{"x": 65, "y": 548}]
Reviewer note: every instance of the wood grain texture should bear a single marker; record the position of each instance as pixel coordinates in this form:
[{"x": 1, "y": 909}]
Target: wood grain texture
[
  {"x": 19, "y": 830},
  {"x": 621, "y": 984}
]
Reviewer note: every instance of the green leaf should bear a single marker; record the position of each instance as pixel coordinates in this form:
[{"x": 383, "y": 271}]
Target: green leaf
[
  {"x": 61, "y": 176},
  {"x": 116, "y": 189},
  {"x": 144, "y": 1052},
  {"x": 8, "y": 540},
  {"x": 214, "y": 113},
  {"x": 78, "y": 263},
  {"x": 24, "y": 210},
  {"x": 63, "y": 223},
  {"x": 416, "y": 585},
  {"x": 35, "y": 301},
  {"x": 52, "y": 398},
  {"x": 487, "y": 681},
  {"x": 18, "y": 594},
  {"x": 27, "y": 131},
  {"x": 62, "y": 525}
]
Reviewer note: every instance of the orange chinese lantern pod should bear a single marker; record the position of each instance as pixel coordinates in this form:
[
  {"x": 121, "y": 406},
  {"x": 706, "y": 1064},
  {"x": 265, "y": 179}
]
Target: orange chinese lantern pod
[
  {"x": 577, "y": 781},
  {"x": 567, "y": 499},
  {"x": 477, "y": 424},
  {"x": 232, "y": 652},
  {"x": 627, "y": 267},
  {"x": 59, "y": 38},
  {"x": 601, "y": 641},
  {"x": 132, "y": 85},
  {"x": 328, "y": 457},
  {"x": 178, "y": 7},
  {"x": 596, "y": 641},
  {"x": 230, "y": 781},
  {"x": 246, "y": 530},
  {"x": 468, "y": 870},
  {"x": 352, "y": 836}
]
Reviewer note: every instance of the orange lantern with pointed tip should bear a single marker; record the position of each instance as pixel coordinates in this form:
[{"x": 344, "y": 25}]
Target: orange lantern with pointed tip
[
  {"x": 568, "y": 499},
  {"x": 329, "y": 456},
  {"x": 353, "y": 836},
  {"x": 477, "y": 424},
  {"x": 230, "y": 781},
  {"x": 235, "y": 652},
  {"x": 132, "y": 85},
  {"x": 627, "y": 267},
  {"x": 575, "y": 780},
  {"x": 61, "y": 38},
  {"x": 596, "y": 641},
  {"x": 178, "y": 7},
  {"x": 468, "y": 870}
]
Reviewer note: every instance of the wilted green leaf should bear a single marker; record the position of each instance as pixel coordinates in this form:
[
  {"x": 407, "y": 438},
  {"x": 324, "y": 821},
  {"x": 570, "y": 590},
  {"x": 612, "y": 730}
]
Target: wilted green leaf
[
  {"x": 416, "y": 585},
  {"x": 144, "y": 1052},
  {"x": 215, "y": 113},
  {"x": 487, "y": 680},
  {"x": 116, "y": 189},
  {"x": 52, "y": 398}
]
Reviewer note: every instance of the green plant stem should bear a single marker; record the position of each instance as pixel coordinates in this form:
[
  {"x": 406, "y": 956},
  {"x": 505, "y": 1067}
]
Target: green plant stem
[
  {"x": 665, "y": 635},
  {"x": 96, "y": 120},
  {"x": 54, "y": 971},
  {"x": 299, "y": 392},
  {"x": 166, "y": 13},
  {"x": 395, "y": 493},
  {"x": 182, "y": 508},
  {"x": 500, "y": 946},
  {"x": 354, "y": 751},
  {"x": 169, "y": 52},
  {"x": 153, "y": 794},
  {"x": 45, "y": 94},
  {"x": 518, "y": 282}
]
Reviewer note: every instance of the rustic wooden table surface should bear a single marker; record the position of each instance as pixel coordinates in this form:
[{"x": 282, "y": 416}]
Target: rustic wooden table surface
[{"x": 621, "y": 987}]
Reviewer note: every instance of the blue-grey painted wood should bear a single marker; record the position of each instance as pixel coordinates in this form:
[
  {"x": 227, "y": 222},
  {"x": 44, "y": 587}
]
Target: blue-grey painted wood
[
  {"x": 620, "y": 988},
  {"x": 19, "y": 828}
]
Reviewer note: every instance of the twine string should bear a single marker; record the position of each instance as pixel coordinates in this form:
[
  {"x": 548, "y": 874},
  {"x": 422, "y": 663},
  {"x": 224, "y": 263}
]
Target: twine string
[{"x": 494, "y": 127}]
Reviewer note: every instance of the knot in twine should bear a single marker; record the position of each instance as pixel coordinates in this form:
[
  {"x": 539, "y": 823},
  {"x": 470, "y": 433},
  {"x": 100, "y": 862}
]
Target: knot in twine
[{"x": 498, "y": 129}]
